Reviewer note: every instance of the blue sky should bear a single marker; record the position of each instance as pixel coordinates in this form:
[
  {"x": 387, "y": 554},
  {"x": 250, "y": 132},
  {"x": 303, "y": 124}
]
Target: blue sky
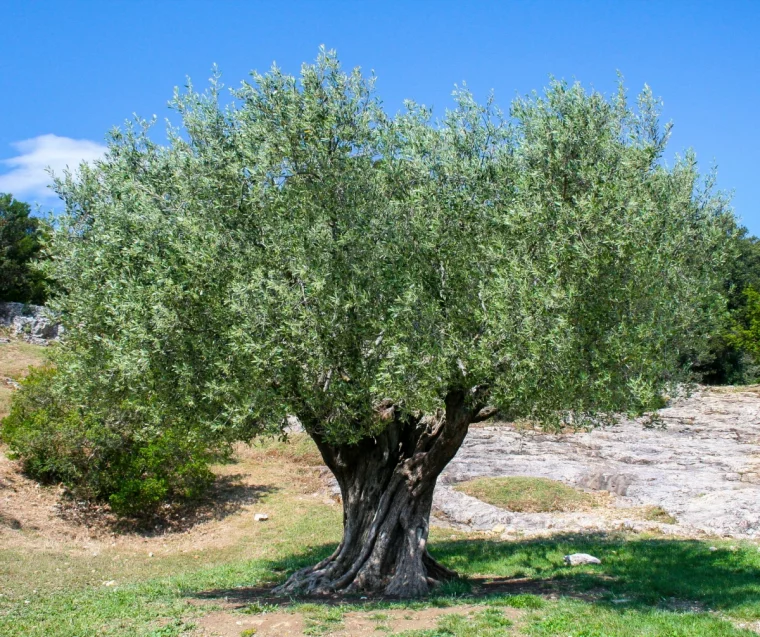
[{"x": 70, "y": 70}]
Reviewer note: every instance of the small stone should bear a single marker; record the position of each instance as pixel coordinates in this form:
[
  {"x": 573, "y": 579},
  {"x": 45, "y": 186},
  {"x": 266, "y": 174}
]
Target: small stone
[
  {"x": 260, "y": 517},
  {"x": 713, "y": 548},
  {"x": 111, "y": 582},
  {"x": 150, "y": 554},
  {"x": 499, "y": 528},
  {"x": 581, "y": 558}
]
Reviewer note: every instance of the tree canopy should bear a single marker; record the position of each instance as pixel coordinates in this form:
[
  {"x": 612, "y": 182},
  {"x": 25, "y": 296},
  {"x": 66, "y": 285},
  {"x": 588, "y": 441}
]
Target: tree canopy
[
  {"x": 302, "y": 252},
  {"x": 384, "y": 278}
]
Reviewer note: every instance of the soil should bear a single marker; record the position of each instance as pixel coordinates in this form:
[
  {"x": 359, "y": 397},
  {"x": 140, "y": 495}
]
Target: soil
[
  {"x": 38, "y": 517},
  {"x": 354, "y": 624}
]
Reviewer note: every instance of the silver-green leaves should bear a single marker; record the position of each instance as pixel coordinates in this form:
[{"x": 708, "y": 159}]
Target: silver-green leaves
[{"x": 300, "y": 251}]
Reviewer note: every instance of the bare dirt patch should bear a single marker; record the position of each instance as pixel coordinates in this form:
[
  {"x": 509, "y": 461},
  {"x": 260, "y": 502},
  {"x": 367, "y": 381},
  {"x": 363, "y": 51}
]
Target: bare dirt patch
[
  {"x": 282, "y": 623},
  {"x": 38, "y": 517}
]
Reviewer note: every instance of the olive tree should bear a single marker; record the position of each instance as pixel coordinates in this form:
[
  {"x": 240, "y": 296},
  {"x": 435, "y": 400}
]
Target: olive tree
[{"x": 388, "y": 280}]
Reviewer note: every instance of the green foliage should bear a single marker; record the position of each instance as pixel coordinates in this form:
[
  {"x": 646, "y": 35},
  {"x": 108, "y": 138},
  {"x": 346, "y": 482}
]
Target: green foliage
[
  {"x": 98, "y": 458},
  {"x": 21, "y": 239},
  {"x": 301, "y": 252}
]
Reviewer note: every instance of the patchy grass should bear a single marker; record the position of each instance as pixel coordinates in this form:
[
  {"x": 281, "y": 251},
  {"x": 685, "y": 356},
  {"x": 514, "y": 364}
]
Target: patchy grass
[
  {"x": 529, "y": 495},
  {"x": 489, "y": 622},
  {"x": 658, "y": 514}
]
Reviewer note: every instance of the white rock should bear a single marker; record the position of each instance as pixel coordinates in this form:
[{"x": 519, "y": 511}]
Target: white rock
[
  {"x": 260, "y": 517},
  {"x": 701, "y": 467},
  {"x": 581, "y": 558},
  {"x": 111, "y": 582}
]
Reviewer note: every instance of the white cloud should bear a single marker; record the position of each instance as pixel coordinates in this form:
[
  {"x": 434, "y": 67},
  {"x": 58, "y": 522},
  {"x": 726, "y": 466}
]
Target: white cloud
[{"x": 27, "y": 178}]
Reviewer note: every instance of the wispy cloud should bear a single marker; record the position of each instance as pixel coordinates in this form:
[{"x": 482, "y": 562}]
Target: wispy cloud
[{"x": 27, "y": 177}]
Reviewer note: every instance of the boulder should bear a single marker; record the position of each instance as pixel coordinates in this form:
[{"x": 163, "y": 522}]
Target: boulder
[{"x": 33, "y": 323}]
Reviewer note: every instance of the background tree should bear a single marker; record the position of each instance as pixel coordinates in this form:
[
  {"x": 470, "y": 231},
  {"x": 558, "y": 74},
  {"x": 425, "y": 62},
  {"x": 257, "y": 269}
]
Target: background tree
[
  {"x": 384, "y": 279},
  {"x": 730, "y": 359},
  {"x": 20, "y": 244}
]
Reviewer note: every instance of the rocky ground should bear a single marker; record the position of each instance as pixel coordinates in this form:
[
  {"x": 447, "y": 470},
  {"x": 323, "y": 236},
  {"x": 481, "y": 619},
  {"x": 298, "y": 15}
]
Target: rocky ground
[{"x": 701, "y": 465}]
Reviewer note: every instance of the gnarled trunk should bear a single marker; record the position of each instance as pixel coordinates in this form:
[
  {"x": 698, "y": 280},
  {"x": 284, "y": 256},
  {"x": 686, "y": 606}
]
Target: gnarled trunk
[{"x": 387, "y": 486}]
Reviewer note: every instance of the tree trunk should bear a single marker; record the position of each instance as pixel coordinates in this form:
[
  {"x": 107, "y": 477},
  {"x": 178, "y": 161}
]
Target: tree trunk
[{"x": 387, "y": 486}]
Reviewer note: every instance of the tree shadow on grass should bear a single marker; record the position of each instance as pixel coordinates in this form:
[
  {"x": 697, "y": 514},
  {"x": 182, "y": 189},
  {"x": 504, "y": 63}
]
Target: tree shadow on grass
[
  {"x": 227, "y": 496},
  {"x": 679, "y": 575}
]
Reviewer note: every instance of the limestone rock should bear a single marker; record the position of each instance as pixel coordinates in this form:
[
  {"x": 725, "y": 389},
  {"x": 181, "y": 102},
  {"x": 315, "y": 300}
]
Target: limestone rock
[
  {"x": 702, "y": 467},
  {"x": 34, "y": 323},
  {"x": 577, "y": 559}
]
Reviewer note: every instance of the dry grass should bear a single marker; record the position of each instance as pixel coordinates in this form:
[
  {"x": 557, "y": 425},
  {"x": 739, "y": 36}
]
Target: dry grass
[
  {"x": 16, "y": 358},
  {"x": 298, "y": 448},
  {"x": 658, "y": 514}
]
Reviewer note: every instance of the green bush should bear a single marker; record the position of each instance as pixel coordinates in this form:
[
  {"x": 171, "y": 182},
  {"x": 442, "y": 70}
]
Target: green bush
[{"x": 102, "y": 453}]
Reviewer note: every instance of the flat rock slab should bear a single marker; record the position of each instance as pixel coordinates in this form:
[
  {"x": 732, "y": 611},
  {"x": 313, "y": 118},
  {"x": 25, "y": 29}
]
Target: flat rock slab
[{"x": 702, "y": 467}]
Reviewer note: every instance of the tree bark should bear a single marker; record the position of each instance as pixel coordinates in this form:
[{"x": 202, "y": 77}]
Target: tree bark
[{"x": 387, "y": 485}]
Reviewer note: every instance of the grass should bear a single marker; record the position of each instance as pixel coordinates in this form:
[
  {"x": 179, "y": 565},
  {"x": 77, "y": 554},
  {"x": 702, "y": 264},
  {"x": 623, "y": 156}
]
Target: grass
[
  {"x": 658, "y": 514},
  {"x": 528, "y": 495},
  {"x": 641, "y": 587},
  {"x": 297, "y": 447},
  {"x": 489, "y": 622},
  {"x": 55, "y": 587}
]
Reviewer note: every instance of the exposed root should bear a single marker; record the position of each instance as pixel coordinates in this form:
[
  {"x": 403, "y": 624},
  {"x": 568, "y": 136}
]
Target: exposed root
[{"x": 325, "y": 578}]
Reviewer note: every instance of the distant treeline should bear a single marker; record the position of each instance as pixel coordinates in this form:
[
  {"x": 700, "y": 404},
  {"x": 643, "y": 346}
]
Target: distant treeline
[
  {"x": 21, "y": 239},
  {"x": 735, "y": 352}
]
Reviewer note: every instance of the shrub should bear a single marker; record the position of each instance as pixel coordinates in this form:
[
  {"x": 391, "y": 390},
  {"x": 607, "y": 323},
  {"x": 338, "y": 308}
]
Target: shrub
[{"x": 102, "y": 453}]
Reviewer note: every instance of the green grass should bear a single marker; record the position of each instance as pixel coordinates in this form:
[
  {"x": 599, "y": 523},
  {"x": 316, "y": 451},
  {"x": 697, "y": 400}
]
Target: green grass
[
  {"x": 650, "y": 576},
  {"x": 644, "y": 585},
  {"x": 646, "y": 571},
  {"x": 576, "y": 619},
  {"x": 528, "y": 495}
]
